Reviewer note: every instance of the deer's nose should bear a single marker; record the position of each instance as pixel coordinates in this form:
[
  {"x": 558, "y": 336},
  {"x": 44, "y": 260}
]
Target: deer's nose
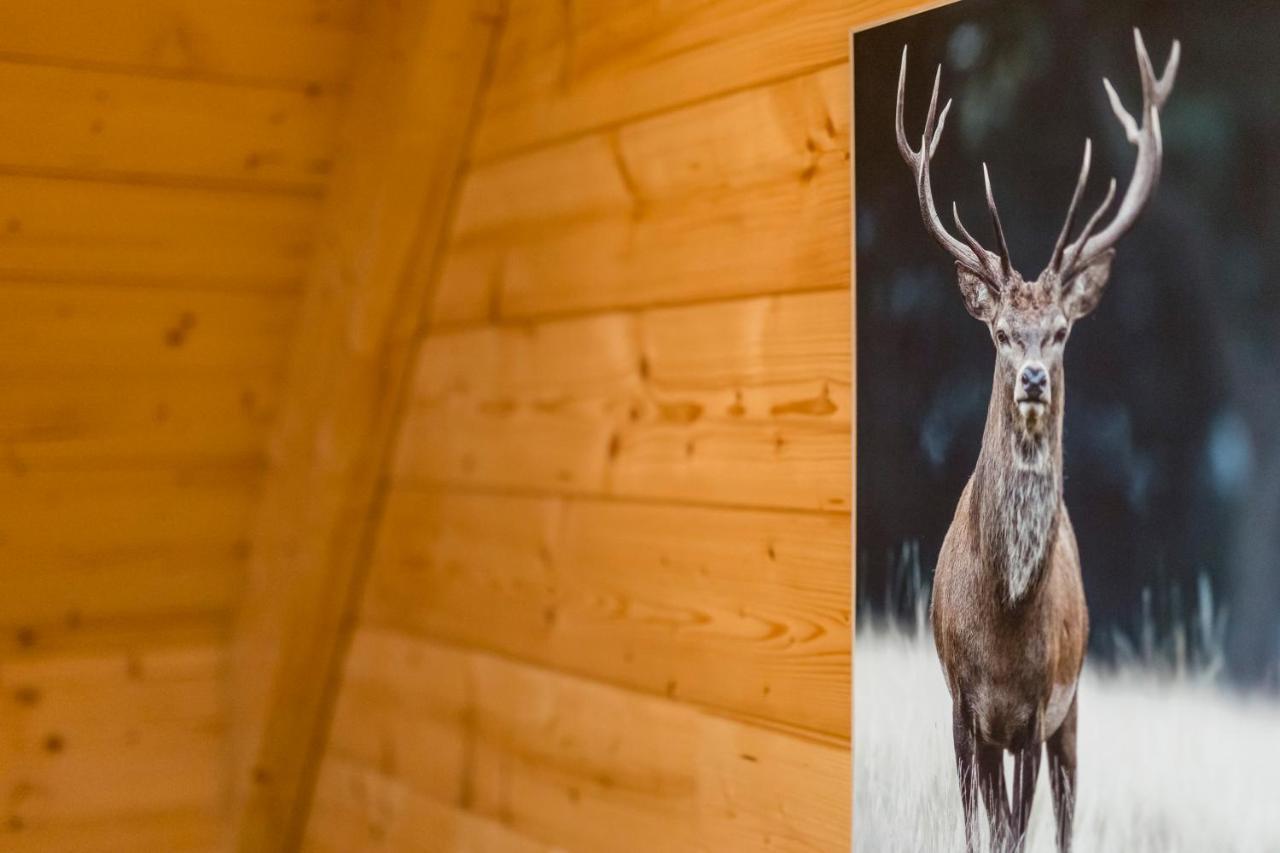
[{"x": 1035, "y": 381}]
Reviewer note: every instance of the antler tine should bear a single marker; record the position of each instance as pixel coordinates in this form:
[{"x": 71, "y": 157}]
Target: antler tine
[
  {"x": 904, "y": 148},
  {"x": 942, "y": 122},
  {"x": 973, "y": 257},
  {"x": 1055, "y": 261},
  {"x": 1005, "y": 264},
  {"x": 1146, "y": 170},
  {"x": 964, "y": 232},
  {"x": 1089, "y": 226}
]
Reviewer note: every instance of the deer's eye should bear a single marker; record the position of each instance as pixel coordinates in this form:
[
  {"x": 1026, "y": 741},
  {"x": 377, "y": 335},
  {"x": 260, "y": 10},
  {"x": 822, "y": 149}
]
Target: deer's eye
[
  {"x": 1002, "y": 338},
  {"x": 1059, "y": 336}
]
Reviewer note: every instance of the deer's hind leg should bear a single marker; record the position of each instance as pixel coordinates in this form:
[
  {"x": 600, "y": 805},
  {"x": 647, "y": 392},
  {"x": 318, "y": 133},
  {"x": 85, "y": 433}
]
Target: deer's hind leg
[
  {"x": 1061, "y": 748},
  {"x": 962, "y": 735},
  {"x": 994, "y": 794}
]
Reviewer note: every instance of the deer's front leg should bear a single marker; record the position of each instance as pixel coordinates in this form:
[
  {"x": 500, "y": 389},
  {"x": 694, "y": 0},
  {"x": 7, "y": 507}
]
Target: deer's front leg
[
  {"x": 1061, "y": 748},
  {"x": 1026, "y": 770},
  {"x": 995, "y": 796},
  {"x": 962, "y": 735}
]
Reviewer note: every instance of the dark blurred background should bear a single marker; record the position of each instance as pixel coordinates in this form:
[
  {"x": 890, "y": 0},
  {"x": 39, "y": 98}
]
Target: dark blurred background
[{"x": 1172, "y": 439}]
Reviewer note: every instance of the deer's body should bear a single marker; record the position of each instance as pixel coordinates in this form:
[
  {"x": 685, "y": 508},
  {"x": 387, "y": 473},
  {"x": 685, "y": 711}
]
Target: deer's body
[
  {"x": 1008, "y": 608},
  {"x": 1011, "y": 663}
]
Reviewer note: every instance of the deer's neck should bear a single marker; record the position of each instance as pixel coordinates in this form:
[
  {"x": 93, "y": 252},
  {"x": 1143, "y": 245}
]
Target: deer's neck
[{"x": 1019, "y": 492}]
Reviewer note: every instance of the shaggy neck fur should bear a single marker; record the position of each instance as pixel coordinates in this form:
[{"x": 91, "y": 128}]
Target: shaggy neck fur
[{"x": 1019, "y": 490}]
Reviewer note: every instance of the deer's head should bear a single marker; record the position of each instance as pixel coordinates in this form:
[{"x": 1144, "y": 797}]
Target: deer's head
[{"x": 1030, "y": 321}]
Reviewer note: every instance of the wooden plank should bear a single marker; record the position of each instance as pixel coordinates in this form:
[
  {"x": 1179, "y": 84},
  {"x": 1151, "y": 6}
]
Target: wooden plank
[
  {"x": 142, "y": 586},
  {"x": 190, "y": 830},
  {"x": 362, "y": 810},
  {"x": 585, "y": 766},
  {"x": 746, "y": 194},
  {"x": 747, "y": 612},
  {"x": 106, "y": 419},
  {"x": 76, "y": 636},
  {"x": 78, "y": 547},
  {"x": 108, "y": 376},
  {"x": 562, "y": 68},
  {"x": 76, "y": 329},
  {"x": 413, "y": 94},
  {"x": 86, "y": 516},
  {"x": 53, "y": 229},
  {"x": 184, "y": 831},
  {"x": 87, "y": 121},
  {"x": 292, "y": 42},
  {"x": 743, "y": 402},
  {"x": 93, "y": 736}
]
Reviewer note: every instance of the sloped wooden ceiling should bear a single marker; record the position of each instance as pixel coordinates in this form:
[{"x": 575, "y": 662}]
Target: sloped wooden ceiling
[{"x": 162, "y": 166}]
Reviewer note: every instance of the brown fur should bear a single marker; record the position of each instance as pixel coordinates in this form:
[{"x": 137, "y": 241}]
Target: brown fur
[{"x": 1012, "y": 661}]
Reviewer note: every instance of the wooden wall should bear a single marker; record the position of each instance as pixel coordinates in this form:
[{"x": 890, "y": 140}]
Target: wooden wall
[
  {"x": 426, "y": 424},
  {"x": 162, "y": 164},
  {"x": 607, "y": 603}
]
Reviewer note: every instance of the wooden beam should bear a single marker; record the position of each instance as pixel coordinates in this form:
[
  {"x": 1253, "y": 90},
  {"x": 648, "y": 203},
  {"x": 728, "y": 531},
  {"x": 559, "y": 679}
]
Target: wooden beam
[{"x": 402, "y": 143}]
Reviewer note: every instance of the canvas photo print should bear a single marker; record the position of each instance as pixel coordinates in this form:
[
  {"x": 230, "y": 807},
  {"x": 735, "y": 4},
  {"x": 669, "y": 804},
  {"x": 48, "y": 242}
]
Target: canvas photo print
[{"x": 1068, "y": 604}]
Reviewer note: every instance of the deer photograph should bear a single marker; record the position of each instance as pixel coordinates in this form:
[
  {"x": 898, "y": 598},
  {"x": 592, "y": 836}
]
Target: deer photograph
[
  {"x": 1008, "y": 610},
  {"x": 1004, "y": 536}
]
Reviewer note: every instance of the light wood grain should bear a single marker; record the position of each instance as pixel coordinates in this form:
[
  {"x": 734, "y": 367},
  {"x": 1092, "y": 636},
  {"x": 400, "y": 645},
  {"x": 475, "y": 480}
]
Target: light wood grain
[
  {"x": 744, "y": 402},
  {"x": 86, "y": 121},
  {"x": 289, "y": 42},
  {"x": 98, "y": 419},
  {"x": 363, "y": 810},
  {"x": 745, "y": 194},
  {"x": 75, "y": 329},
  {"x": 188, "y": 830},
  {"x": 109, "y": 376},
  {"x": 73, "y": 635},
  {"x": 162, "y": 166},
  {"x": 80, "y": 546},
  {"x": 568, "y": 68},
  {"x": 744, "y": 611},
  {"x": 92, "y": 737},
  {"x": 415, "y": 87},
  {"x": 138, "y": 233},
  {"x": 583, "y": 766}
]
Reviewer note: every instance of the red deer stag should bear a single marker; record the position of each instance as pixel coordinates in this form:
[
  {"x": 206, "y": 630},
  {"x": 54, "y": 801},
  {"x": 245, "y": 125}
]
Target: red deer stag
[{"x": 1008, "y": 610}]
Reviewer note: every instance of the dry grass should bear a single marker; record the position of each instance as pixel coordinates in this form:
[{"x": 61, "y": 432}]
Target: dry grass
[{"x": 1167, "y": 765}]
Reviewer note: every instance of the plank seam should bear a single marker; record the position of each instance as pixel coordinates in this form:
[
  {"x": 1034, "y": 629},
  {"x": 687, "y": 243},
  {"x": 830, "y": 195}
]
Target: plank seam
[
  {"x": 311, "y": 190},
  {"x": 518, "y": 321},
  {"x": 241, "y": 81},
  {"x": 417, "y": 486}
]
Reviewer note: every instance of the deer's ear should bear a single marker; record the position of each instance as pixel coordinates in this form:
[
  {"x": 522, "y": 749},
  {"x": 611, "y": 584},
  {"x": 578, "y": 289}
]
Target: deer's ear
[
  {"x": 979, "y": 296},
  {"x": 1081, "y": 294}
]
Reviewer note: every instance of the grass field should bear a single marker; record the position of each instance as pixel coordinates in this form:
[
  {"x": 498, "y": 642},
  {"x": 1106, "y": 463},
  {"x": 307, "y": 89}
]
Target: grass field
[{"x": 1167, "y": 764}]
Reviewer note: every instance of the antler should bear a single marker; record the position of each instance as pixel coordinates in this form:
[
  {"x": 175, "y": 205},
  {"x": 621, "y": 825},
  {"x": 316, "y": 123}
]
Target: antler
[
  {"x": 1146, "y": 169},
  {"x": 990, "y": 267}
]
